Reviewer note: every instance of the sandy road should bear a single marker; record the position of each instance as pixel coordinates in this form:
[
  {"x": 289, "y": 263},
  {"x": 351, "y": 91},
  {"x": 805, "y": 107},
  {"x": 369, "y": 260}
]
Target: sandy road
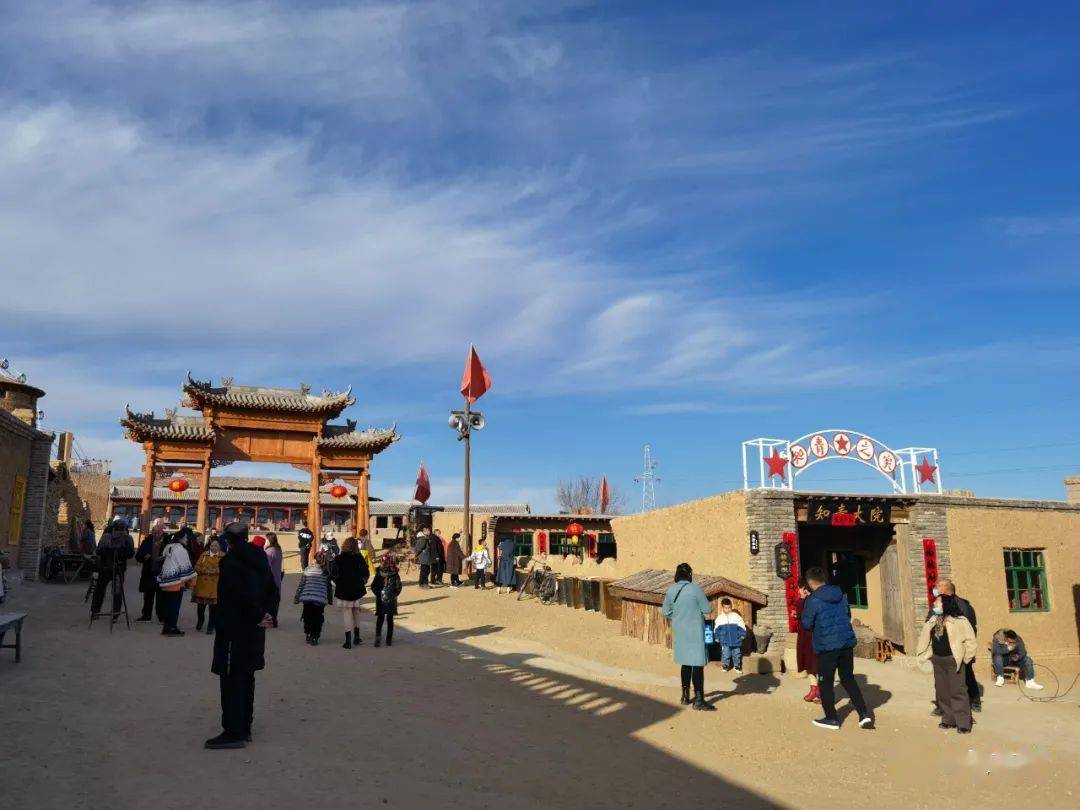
[{"x": 482, "y": 702}]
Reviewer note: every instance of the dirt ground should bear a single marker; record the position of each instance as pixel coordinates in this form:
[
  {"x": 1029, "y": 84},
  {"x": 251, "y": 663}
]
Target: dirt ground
[{"x": 483, "y": 702}]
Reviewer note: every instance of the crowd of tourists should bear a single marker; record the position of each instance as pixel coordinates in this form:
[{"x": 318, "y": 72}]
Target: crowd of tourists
[
  {"x": 438, "y": 558},
  {"x": 825, "y": 648}
]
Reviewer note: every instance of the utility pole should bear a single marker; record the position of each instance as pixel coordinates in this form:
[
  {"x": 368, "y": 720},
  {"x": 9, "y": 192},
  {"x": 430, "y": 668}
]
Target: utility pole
[{"x": 648, "y": 479}]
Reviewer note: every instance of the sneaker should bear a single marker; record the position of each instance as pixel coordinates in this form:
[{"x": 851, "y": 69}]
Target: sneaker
[
  {"x": 963, "y": 731},
  {"x": 866, "y": 722},
  {"x": 144, "y": 619},
  {"x": 825, "y": 722},
  {"x": 946, "y": 725},
  {"x": 999, "y": 680},
  {"x": 725, "y": 667},
  {"x": 222, "y": 741},
  {"x": 739, "y": 670},
  {"x": 1030, "y": 684}
]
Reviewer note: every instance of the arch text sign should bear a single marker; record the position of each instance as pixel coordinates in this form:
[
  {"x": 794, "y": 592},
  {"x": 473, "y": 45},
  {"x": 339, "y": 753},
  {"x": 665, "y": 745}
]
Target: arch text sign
[{"x": 779, "y": 462}]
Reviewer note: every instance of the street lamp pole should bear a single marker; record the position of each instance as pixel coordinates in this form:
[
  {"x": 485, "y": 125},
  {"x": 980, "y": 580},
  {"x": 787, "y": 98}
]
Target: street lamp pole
[{"x": 467, "y": 528}]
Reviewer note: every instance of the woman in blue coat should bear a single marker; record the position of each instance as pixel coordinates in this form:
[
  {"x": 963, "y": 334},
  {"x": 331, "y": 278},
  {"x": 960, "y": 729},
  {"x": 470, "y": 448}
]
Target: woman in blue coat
[
  {"x": 686, "y": 607},
  {"x": 504, "y": 573}
]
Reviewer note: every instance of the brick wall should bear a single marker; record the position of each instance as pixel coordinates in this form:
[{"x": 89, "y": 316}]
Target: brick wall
[
  {"x": 926, "y": 519},
  {"x": 34, "y": 514},
  {"x": 770, "y": 513}
]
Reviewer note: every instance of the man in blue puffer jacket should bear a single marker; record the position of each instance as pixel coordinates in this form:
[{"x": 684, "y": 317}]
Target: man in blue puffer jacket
[{"x": 827, "y": 614}]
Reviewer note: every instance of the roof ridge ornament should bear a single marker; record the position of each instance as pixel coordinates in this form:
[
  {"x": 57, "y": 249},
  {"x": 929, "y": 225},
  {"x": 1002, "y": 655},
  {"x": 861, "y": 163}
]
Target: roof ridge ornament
[
  {"x": 305, "y": 389},
  {"x": 170, "y": 413},
  {"x": 193, "y": 383},
  {"x": 226, "y": 382}
]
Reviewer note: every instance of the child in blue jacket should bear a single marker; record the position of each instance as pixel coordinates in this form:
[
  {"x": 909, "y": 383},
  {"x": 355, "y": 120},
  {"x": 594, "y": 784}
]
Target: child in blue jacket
[{"x": 729, "y": 630}]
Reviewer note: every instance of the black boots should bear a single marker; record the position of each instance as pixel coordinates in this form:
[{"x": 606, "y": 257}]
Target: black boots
[
  {"x": 378, "y": 641},
  {"x": 700, "y": 704},
  {"x": 356, "y": 636},
  {"x": 685, "y": 699},
  {"x": 223, "y": 741},
  {"x": 348, "y": 641}
]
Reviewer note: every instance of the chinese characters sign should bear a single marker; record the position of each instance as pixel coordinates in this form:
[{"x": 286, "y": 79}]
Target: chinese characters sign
[
  {"x": 848, "y": 512},
  {"x": 929, "y": 545},
  {"x": 787, "y": 552}
]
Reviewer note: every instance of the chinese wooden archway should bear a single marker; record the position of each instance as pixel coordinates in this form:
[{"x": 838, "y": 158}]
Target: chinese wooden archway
[{"x": 247, "y": 423}]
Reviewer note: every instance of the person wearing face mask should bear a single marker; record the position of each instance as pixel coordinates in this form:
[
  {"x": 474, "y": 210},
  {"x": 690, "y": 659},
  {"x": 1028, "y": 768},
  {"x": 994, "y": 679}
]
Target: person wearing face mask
[
  {"x": 946, "y": 587},
  {"x": 948, "y": 642}
]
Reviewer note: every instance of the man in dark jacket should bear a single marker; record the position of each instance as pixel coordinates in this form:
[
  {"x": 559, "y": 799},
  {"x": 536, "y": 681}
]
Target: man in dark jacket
[
  {"x": 246, "y": 592},
  {"x": 827, "y": 614},
  {"x": 424, "y": 556},
  {"x": 946, "y": 587},
  {"x": 306, "y": 539},
  {"x": 115, "y": 549}
]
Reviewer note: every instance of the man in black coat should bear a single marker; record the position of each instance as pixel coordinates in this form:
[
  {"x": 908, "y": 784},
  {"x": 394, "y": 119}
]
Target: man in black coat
[
  {"x": 306, "y": 539},
  {"x": 246, "y": 592}
]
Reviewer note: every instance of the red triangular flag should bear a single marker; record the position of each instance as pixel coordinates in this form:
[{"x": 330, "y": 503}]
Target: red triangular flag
[
  {"x": 423, "y": 486},
  {"x": 475, "y": 382},
  {"x": 605, "y": 495}
]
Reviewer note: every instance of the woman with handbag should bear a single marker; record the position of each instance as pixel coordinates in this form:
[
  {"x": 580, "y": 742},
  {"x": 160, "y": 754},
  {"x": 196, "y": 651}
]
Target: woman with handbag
[
  {"x": 687, "y": 608},
  {"x": 350, "y": 575},
  {"x": 176, "y": 575}
]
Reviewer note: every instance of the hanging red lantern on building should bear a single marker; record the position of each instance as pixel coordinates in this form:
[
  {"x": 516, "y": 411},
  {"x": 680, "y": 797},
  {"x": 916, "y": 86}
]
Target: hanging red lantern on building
[
  {"x": 178, "y": 485},
  {"x": 338, "y": 491},
  {"x": 575, "y": 529}
]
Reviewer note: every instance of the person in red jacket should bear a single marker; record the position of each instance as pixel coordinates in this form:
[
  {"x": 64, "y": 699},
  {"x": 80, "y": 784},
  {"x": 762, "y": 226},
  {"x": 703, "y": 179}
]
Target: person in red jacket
[{"x": 806, "y": 660}]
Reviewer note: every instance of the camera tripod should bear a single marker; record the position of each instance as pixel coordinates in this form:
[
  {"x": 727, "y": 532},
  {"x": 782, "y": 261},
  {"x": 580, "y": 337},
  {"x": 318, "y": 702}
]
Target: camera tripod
[{"x": 118, "y": 600}]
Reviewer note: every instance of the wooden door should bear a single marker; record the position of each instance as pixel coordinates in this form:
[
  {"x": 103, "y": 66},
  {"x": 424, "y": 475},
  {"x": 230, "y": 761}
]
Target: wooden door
[{"x": 892, "y": 608}]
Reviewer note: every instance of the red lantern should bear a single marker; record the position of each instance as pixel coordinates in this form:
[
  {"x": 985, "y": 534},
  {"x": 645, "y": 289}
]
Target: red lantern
[
  {"x": 178, "y": 485},
  {"x": 575, "y": 529},
  {"x": 338, "y": 491}
]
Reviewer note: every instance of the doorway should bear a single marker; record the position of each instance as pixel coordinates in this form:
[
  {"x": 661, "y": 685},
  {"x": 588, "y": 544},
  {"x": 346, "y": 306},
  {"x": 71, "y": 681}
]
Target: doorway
[{"x": 863, "y": 562}]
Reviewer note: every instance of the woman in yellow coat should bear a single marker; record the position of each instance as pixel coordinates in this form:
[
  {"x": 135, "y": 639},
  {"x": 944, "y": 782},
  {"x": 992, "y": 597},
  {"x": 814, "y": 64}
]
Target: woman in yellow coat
[{"x": 206, "y": 586}]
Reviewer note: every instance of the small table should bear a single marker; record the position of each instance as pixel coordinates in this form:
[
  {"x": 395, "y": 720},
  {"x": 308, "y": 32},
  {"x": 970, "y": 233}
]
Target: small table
[{"x": 12, "y": 621}]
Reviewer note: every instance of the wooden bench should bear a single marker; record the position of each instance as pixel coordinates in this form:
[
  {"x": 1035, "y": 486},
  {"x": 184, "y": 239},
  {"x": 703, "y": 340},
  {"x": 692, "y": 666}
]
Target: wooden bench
[{"x": 12, "y": 621}]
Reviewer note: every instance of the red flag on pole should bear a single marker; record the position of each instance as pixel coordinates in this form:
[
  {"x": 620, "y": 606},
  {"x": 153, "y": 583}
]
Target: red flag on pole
[
  {"x": 605, "y": 495},
  {"x": 423, "y": 486},
  {"x": 476, "y": 381}
]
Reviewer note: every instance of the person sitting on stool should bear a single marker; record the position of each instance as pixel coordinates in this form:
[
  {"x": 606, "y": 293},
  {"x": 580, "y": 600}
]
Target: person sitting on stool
[{"x": 1008, "y": 650}]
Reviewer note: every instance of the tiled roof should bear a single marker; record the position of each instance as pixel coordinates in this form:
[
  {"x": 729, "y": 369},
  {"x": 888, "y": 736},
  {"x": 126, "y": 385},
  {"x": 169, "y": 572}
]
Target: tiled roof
[
  {"x": 524, "y": 514},
  {"x": 290, "y": 400},
  {"x": 347, "y": 436},
  {"x": 143, "y": 426},
  {"x": 401, "y": 507}
]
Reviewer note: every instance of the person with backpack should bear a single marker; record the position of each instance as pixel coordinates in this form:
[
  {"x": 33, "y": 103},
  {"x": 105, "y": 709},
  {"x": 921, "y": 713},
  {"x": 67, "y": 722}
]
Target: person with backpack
[
  {"x": 827, "y": 614},
  {"x": 386, "y": 586},
  {"x": 686, "y": 607}
]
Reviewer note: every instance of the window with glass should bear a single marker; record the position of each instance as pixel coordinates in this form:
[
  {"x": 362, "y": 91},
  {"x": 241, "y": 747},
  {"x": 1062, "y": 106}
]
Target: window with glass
[
  {"x": 397, "y": 523},
  {"x": 848, "y": 572},
  {"x": 523, "y": 542},
  {"x": 128, "y": 513},
  {"x": 236, "y": 514},
  {"x": 381, "y": 522},
  {"x": 1025, "y": 579},
  {"x": 559, "y": 543},
  {"x": 191, "y": 514},
  {"x": 605, "y": 546},
  {"x": 336, "y": 520},
  {"x": 213, "y": 516},
  {"x": 275, "y": 520}
]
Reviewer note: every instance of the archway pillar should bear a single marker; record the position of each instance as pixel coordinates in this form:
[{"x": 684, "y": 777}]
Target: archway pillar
[
  {"x": 204, "y": 497},
  {"x": 149, "y": 472},
  {"x": 362, "y": 508},
  {"x": 314, "y": 522}
]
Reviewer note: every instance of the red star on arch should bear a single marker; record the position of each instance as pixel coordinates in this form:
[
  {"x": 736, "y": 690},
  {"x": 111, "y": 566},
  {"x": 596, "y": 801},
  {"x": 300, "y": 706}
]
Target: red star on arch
[
  {"x": 926, "y": 471},
  {"x": 842, "y": 444},
  {"x": 776, "y": 463}
]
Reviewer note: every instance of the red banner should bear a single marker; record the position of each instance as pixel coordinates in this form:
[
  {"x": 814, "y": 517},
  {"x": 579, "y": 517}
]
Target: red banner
[
  {"x": 929, "y": 545},
  {"x": 791, "y": 584}
]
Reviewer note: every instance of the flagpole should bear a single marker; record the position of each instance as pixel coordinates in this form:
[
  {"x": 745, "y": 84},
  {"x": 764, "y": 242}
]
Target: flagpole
[{"x": 467, "y": 528}]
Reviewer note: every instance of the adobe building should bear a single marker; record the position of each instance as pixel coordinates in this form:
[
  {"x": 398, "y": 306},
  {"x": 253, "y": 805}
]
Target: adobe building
[
  {"x": 1017, "y": 561},
  {"x": 24, "y": 474}
]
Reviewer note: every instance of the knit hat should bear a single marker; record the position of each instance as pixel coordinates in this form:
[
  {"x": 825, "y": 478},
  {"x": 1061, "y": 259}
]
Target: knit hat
[{"x": 258, "y": 540}]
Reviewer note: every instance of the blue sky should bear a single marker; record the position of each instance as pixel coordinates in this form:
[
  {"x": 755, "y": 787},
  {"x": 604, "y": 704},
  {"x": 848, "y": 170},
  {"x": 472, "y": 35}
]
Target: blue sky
[{"x": 683, "y": 224}]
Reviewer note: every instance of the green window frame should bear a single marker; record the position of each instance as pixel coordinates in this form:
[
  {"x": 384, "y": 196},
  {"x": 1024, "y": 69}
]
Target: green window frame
[
  {"x": 559, "y": 543},
  {"x": 1025, "y": 580},
  {"x": 523, "y": 542},
  {"x": 848, "y": 572},
  {"x": 606, "y": 546}
]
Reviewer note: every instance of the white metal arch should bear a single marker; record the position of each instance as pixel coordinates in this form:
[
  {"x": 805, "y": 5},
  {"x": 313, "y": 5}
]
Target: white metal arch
[{"x": 905, "y": 471}]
